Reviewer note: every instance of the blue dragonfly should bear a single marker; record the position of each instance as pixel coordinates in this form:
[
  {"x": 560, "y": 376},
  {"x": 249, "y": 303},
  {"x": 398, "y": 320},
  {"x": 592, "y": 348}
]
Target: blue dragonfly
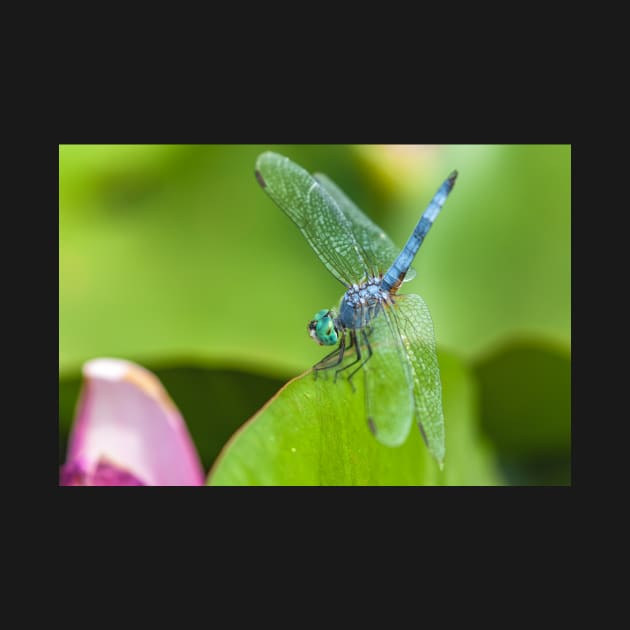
[{"x": 390, "y": 334}]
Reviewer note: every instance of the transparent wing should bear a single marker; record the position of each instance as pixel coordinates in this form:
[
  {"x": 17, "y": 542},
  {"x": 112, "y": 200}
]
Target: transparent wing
[
  {"x": 378, "y": 249},
  {"x": 315, "y": 212},
  {"x": 388, "y": 381},
  {"x": 416, "y": 327}
]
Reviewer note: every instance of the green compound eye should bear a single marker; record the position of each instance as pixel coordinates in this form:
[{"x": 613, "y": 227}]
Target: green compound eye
[{"x": 322, "y": 328}]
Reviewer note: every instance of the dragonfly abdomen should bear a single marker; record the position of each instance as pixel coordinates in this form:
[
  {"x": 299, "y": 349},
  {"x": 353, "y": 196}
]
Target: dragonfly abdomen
[{"x": 396, "y": 273}]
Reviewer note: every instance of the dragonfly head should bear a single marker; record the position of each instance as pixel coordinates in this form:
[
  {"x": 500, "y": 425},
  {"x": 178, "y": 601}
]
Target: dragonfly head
[{"x": 322, "y": 328}]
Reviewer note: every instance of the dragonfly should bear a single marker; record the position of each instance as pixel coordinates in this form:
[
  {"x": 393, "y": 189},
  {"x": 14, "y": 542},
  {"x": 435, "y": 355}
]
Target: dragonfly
[{"x": 386, "y": 335}]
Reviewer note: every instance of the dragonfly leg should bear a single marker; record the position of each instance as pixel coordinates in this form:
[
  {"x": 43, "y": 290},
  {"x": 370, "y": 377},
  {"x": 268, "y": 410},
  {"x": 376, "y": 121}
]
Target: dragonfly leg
[
  {"x": 353, "y": 341},
  {"x": 369, "y": 356},
  {"x": 334, "y": 358}
]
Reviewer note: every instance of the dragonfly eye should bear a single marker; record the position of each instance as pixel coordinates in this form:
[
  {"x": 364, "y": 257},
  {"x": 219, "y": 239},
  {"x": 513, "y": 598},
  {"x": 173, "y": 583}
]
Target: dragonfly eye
[{"x": 322, "y": 328}]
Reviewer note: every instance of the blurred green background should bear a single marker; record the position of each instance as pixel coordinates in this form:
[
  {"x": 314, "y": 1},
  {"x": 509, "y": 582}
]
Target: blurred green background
[{"x": 173, "y": 257}]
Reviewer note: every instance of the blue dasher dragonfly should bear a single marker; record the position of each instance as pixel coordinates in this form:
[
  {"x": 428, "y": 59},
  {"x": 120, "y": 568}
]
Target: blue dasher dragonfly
[{"x": 390, "y": 334}]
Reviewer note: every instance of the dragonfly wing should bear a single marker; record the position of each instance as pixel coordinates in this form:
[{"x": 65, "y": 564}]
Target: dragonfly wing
[
  {"x": 416, "y": 328},
  {"x": 316, "y": 213},
  {"x": 378, "y": 249},
  {"x": 388, "y": 381}
]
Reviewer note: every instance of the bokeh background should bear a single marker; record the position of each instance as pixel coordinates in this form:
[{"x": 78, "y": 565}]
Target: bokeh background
[{"x": 173, "y": 257}]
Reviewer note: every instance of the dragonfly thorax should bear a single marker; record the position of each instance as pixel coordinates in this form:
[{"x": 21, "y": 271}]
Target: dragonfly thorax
[{"x": 361, "y": 303}]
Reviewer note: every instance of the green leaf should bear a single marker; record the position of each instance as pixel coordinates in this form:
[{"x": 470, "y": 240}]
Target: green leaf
[
  {"x": 525, "y": 391},
  {"x": 314, "y": 432},
  {"x": 526, "y": 397}
]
